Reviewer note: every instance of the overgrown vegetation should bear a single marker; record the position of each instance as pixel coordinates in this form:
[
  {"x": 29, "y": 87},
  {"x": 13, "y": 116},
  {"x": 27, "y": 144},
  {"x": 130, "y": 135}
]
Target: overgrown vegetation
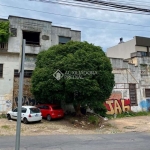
[
  {"x": 3, "y": 115},
  {"x": 4, "y": 31},
  {"x": 87, "y": 76},
  {"x": 129, "y": 114},
  {"x": 94, "y": 119}
]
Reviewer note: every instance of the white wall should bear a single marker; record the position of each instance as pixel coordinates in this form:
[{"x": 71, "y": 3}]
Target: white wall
[{"x": 10, "y": 62}]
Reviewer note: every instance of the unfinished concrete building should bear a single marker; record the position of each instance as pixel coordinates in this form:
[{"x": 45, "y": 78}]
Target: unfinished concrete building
[
  {"x": 131, "y": 67},
  {"x": 39, "y": 35}
]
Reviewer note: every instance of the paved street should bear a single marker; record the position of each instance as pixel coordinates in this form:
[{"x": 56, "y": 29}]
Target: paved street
[{"x": 126, "y": 141}]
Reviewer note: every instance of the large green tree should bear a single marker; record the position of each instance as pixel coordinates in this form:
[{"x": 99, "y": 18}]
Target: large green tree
[{"x": 86, "y": 78}]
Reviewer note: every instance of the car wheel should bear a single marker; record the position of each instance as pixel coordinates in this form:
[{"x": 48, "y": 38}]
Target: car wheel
[
  {"x": 8, "y": 117},
  {"x": 48, "y": 118},
  {"x": 25, "y": 121}
]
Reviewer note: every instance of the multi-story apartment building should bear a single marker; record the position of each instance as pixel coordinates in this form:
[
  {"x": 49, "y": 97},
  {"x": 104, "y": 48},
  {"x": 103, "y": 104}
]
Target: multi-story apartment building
[{"x": 39, "y": 35}]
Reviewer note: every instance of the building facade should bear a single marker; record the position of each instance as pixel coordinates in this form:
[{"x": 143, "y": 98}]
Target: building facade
[
  {"x": 132, "y": 75},
  {"x": 138, "y": 46},
  {"x": 40, "y": 35}
]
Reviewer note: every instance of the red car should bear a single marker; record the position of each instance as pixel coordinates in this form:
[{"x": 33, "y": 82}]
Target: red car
[{"x": 51, "y": 111}]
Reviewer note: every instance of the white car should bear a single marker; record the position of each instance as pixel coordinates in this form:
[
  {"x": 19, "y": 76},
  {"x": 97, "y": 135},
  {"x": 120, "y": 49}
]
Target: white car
[{"x": 28, "y": 114}]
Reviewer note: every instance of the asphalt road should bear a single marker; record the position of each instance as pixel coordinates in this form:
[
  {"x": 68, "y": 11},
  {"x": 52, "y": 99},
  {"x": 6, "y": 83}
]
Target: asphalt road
[{"x": 126, "y": 141}]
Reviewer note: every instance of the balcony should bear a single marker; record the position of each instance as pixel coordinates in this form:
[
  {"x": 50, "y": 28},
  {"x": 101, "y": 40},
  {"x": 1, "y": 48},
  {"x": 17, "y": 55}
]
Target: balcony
[
  {"x": 139, "y": 54},
  {"x": 3, "y": 47}
]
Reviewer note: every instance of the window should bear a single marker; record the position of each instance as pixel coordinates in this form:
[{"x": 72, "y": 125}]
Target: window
[
  {"x": 13, "y": 32},
  {"x": 56, "y": 107},
  {"x": 45, "y": 107},
  {"x": 1, "y": 70},
  {"x": 147, "y": 92},
  {"x": 40, "y": 107},
  {"x": 132, "y": 93},
  {"x": 23, "y": 110},
  {"x": 27, "y": 73},
  {"x": 32, "y": 38},
  {"x": 34, "y": 110},
  {"x": 144, "y": 54},
  {"x": 15, "y": 110},
  {"x": 64, "y": 40},
  {"x": 144, "y": 69}
]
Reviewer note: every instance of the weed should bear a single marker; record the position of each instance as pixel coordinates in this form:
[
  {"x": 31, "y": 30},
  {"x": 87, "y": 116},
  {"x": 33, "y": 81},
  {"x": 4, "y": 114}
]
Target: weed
[
  {"x": 5, "y": 127},
  {"x": 3, "y": 115},
  {"x": 93, "y": 119},
  {"x": 130, "y": 114}
]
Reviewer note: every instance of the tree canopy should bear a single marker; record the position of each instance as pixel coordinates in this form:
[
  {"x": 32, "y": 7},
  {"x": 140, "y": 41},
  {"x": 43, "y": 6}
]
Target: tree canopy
[
  {"x": 76, "y": 72},
  {"x": 4, "y": 31}
]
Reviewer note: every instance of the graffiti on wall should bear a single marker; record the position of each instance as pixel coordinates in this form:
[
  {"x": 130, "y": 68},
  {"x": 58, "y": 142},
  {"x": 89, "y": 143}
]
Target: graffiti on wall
[
  {"x": 8, "y": 104},
  {"x": 145, "y": 104},
  {"x": 26, "y": 101},
  {"x": 117, "y": 106}
]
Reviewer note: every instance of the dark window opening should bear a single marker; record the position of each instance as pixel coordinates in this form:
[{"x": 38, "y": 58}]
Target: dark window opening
[
  {"x": 27, "y": 73},
  {"x": 32, "y": 38},
  {"x": 64, "y": 40},
  {"x": 132, "y": 92},
  {"x": 1, "y": 70},
  {"x": 147, "y": 92}
]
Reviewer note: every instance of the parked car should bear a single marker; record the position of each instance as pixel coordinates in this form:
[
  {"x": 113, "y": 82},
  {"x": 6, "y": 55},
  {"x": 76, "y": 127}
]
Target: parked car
[
  {"x": 51, "y": 111},
  {"x": 28, "y": 114}
]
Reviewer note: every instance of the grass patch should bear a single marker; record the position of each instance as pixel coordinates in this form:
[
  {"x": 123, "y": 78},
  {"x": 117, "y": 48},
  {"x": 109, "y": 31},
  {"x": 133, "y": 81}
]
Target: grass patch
[
  {"x": 3, "y": 115},
  {"x": 93, "y": 119},
  {"x": 5, "y": 127},
  {"x": 129, "y": 114}
]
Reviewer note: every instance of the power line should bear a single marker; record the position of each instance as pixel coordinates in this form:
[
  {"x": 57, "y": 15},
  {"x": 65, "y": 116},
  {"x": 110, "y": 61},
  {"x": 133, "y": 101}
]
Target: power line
[
  {"x": 103, "y": 28},
  {"x": 96, "y": 3},
  {"x": 58, "y": 24},
  {"x": 92, "y": 6},
  {"x": 74, "y": 16}
]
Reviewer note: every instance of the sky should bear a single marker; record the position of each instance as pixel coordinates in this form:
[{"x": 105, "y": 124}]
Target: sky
[{"x": 96, "y": 29}]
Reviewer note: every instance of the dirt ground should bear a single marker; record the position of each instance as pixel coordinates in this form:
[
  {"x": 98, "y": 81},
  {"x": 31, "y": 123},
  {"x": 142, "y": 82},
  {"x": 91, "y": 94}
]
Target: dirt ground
[{"x": 129, "y": 124}]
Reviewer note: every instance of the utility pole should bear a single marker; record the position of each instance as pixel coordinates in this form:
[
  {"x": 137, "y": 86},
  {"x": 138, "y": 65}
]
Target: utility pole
[{"x": 21, "y": 77}]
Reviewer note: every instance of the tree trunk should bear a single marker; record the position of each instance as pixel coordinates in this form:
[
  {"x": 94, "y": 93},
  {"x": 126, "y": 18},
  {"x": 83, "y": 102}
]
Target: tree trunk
[{"x": 78, "y": 111}]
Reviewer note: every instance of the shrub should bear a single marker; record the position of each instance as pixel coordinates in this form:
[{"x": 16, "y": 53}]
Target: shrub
[
  {"x": 101, "y": 110},
  {"x": 93, "y": 119}
]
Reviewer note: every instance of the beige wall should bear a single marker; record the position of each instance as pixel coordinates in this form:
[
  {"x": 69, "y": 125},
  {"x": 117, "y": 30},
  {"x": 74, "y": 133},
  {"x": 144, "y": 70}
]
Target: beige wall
[
  {"x": 140, "y": 49},
  {"x": 122, "y": 50}
]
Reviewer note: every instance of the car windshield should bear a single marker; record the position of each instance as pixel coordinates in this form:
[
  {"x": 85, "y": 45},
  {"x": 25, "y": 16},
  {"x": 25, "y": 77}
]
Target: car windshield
[
  {"x": 34, "y": 110},
  {"x": 56, "y": 107}
]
